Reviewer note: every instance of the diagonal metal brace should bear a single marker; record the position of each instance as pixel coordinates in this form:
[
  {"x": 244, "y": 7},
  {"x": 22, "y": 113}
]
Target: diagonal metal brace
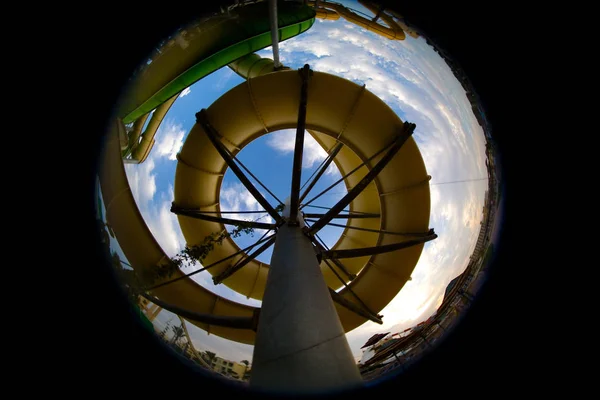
[
  {"x": 341, "y": 300},
  {"x": 237, "y": 266},
  {"x": 334, "y": 151},
  {"x": 202, "y": 119},
  {"x": 299, "y": 147},
  {"x": 321, "y": 251},
  {"x": 192, "y": 213},
  {"x": 407, "y": 130},
  {"x": 369, "y": 251},
  {"x": 342, "y": 216}
]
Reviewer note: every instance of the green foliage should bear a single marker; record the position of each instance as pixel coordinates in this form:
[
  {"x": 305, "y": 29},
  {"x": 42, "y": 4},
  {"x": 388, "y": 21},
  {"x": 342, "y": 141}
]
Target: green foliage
[
  {"x": 135, "y": 281},
  {"x": 189, "y": 255},
  {"x": 129, "y": 280},
  {"x": 163, "y": 333},
  {"x": 178, "y": 333}
]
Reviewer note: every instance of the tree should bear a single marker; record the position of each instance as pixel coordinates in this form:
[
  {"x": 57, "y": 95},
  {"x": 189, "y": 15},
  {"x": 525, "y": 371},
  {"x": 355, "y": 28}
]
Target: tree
[
  {"x": 128, "y": 279},
  {"x": 140, "y": 281},
  {"x": 163, "y": 333},
  {"x": 178, "y": 333},
  {"x": 136, "y": 282},
  {"x": 245, "y": 362},
  {"x": 189, "y": 255},
  {"x": 210, "y": 357}
]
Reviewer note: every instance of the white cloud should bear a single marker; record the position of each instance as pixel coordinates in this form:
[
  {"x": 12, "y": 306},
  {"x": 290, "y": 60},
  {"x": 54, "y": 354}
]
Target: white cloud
[
  {"x": 169, "y": 139},
  {"x": 225, "y": 75},
  {"x": 416, "y": 83},
  {"x": 235, "y": 197},
  {"x": 161, "y": 222},
  {"x": 284, "y": 141},
  {"x": 155, "y": 208},
  {"x": 142, "y": 181},
  {"x": 408, "y": 75},
  {"x": 185, "y": 92},
  {"x": 165, "y": 222},
  {"x": 318, "y": 49}
]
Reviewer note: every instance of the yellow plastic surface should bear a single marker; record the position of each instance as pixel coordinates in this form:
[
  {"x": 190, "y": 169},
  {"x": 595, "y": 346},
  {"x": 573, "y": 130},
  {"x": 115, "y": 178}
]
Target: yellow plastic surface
[
  {"x": 270, "y": 102},
  {"x": 393, "y": 32}
]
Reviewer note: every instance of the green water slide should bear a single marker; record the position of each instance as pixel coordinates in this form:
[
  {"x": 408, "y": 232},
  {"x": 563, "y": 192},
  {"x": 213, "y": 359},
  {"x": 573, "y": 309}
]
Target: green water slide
[{"x": 201, "y": 49}]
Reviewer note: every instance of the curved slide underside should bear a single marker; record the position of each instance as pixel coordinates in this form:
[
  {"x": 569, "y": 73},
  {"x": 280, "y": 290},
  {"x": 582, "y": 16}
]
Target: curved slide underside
[
  {"x": 337, "y": 109},
  {"x": 363, "y": 123},
  {"x": 143, "y": 251},
  {"x": 201, "y": 49},
  {"x": 329, "y": 10}
]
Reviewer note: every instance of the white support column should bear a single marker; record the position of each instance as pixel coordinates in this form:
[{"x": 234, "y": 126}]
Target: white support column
[
  {"x": 300, "y": 343},
  {"x": 274, "y": 32}
]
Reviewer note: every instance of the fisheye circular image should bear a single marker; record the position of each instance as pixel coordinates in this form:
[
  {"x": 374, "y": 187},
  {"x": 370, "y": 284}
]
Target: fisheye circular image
[{"x": 299, "y": 197}]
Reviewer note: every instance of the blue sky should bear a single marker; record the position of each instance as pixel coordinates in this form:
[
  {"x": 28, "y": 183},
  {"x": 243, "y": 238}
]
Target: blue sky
[{"x": 417, "y": 84}]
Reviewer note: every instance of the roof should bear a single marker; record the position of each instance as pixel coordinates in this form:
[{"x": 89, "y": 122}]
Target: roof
[
  {"x": 451, "y": 286},
  {"x": 374, "y": 339}
]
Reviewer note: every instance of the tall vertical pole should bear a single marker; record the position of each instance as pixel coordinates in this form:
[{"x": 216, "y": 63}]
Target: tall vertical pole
[
  {"x": 300, "y": 343},
  {"x": 299, "y": 147},
  {"x": 274, "y": 32}
]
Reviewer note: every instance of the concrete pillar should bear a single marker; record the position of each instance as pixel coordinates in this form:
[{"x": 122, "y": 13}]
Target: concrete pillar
[{"x": 300, "y": 344}]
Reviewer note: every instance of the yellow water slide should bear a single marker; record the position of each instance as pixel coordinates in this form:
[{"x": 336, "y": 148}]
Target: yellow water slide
[
  {"x": 143, "y": 251},
  {"x": 325, "y": 10},
  {"x": 397, "y": 22},
  {"x": 191, "y": 54},
  {"x": 337, "y": 111}
]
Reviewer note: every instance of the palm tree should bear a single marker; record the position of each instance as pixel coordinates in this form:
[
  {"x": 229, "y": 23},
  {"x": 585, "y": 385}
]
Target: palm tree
[
  {"x": 210, "y": 357},
  {"x": 163, "y": 333},
  {"x": 178, "y": 333}
]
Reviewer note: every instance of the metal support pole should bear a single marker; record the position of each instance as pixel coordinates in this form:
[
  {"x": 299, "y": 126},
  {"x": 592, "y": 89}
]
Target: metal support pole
[
  {"x": 369, "y": 251},
  {"x": 381, "y": 8},
  {"x": 274, "y": 32},
  {"x": 195, "y": 213},
  {"x": 440, "y": 325},
  {"x": 300, "y": 343},
  {"x": 343, "y": 216},
  {"x": 336, "y": 149},
  {"x": 299, "y": 147},
  {"x": 202, "y": 119}
]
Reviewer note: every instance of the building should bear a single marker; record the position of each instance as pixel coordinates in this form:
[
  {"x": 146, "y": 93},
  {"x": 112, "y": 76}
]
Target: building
[
  {"x": 149, "y": 309},
  {"x": 187, "y": 350},
  {"x": 229, "y": 368}
]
